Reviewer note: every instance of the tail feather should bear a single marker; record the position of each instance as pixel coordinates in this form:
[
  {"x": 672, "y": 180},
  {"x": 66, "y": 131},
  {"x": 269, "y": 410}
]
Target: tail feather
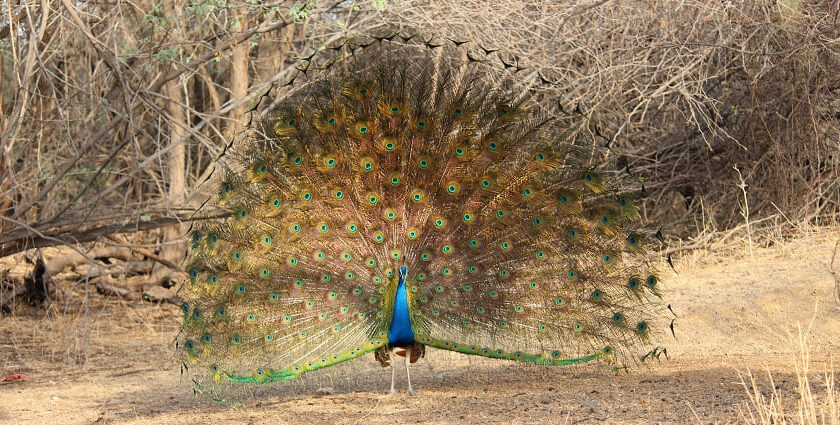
[{"x": 520, "y": 243}]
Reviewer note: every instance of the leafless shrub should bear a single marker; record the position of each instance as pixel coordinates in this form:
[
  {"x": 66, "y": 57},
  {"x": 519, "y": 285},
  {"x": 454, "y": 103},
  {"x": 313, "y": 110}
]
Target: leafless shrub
[
  {"x": 686, "y": 90},
  {"x": 111, "y": 114}
]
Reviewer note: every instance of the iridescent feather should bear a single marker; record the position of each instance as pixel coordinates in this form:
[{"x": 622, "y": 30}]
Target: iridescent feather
[{"x": 402, "y": 165}]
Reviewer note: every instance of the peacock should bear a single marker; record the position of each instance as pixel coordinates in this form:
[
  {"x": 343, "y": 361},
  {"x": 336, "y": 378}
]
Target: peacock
[{"x": 405, "y": 194}]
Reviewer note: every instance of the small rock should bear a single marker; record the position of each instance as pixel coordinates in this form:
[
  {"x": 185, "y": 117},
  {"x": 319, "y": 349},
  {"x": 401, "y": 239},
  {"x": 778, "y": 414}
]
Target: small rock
[
  {"x": 591, "y": 403},
  {"x": 325, "y": 391}
]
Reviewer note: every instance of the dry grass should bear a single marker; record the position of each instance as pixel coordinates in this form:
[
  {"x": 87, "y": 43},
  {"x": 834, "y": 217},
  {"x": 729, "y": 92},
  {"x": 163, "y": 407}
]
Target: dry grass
[
  {"x": 113, "y": 362},
  {"x": 80, "y": 332},
  {"x": 816, "y": 400}
]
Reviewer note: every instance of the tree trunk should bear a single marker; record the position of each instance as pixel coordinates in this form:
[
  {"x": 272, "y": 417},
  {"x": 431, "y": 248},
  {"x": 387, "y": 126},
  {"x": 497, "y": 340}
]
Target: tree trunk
[
  {"x": 272, "y": 53},
  {"x": 238, "y": 79},
  {"x": 2, "y": 85},
  {"x": 173, "y": 248}
]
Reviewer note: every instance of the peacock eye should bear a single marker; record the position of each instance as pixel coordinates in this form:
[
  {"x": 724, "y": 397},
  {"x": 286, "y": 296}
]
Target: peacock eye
[{"x": 496, "y": 228}]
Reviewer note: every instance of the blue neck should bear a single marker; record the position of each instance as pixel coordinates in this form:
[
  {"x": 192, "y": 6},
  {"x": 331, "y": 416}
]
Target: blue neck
[{"x": 400, "y": 332}]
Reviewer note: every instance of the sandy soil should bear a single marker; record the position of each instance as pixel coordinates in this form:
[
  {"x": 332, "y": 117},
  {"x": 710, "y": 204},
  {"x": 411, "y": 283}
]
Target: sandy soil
[{"x": 115, "y": 363}]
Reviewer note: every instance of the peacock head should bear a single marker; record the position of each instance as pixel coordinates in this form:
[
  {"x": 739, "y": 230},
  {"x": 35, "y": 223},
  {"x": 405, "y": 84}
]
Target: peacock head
[{"x": 403, "y": 273}]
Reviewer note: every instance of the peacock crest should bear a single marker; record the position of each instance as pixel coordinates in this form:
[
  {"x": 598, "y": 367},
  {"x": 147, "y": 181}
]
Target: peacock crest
[{"x": 411, "y": 196}]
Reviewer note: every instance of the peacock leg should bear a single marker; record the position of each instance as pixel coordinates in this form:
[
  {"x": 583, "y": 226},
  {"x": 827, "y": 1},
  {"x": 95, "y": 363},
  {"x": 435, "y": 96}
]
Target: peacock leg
[
  {"x": 407, "y": 375},
  {"x": 393, "y": 371}
]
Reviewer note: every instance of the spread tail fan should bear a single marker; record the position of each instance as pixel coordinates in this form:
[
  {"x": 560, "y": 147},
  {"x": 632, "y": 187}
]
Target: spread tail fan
[{"x": 408, "y": 196}]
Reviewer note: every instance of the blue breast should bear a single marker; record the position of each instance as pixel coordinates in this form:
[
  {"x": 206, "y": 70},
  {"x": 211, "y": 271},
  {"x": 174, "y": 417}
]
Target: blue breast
[{"x": 400, "y": 332}]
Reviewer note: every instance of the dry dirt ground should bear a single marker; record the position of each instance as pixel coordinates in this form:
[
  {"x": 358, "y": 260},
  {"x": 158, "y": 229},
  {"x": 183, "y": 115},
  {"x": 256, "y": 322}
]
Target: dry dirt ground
[{"x": 115, "y": 364}]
